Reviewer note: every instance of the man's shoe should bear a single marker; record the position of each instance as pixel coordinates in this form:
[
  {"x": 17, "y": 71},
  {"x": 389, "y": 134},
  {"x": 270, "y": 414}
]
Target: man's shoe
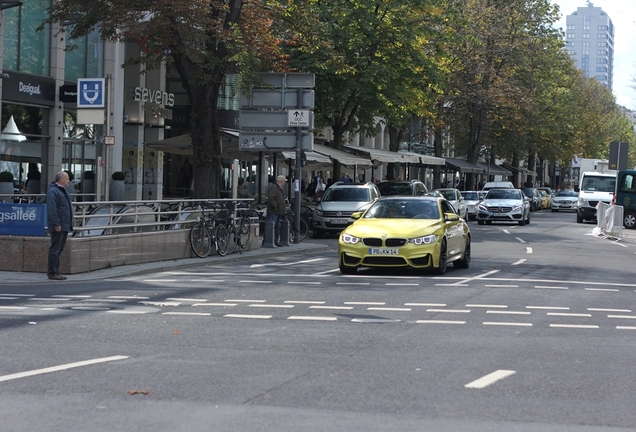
[
  {"x": 56, "y": 277},
  {"x": 279, "y": 245}
]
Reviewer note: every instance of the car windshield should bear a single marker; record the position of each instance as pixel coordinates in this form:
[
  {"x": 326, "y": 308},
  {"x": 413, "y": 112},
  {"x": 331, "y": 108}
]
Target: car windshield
[
  {"x": 470, "y": 196},
  {"x": 387, "y": 189},
  {"x": 403, "y": 209},
  {"x": 449, "y": 194},
  {"x": 599, "y": 183},
  {"x": 347, "y": 194},
  {"x": 503, "y": 194},
  {"x": 566, "y": 193}
]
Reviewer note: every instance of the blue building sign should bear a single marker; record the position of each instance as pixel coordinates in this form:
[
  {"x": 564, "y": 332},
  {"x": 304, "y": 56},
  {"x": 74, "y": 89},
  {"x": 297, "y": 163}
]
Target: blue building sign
[
  {"x": 23, "y": 219},
  {"x": 90, "y": 92}
]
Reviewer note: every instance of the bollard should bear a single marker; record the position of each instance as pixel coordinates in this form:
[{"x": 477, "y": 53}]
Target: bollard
[
  {"x": 268, "y": 235},
  {"x": 284, "y": 232}
]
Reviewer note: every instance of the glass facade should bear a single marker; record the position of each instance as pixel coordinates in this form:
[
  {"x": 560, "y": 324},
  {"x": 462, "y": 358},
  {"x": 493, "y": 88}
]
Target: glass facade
[{"x": 26, "y": 49}]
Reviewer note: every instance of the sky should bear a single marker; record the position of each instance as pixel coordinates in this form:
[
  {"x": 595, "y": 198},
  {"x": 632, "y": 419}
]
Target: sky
[{"x": 623, "y": 15}]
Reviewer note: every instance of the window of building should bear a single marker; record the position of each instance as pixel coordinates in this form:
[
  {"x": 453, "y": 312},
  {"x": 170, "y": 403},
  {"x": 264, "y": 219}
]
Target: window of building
[
  {"x": 571, "y": 27},
  {"x": 86, "y": 60},
  {"x": 25, "y": 49},
  {"x": 601, "y": 77},
  {"x": 570, "y": 44},
  {"x": 602, "y": 36},
  {"x": 601, "y": 44},
  {"x": 571, "y": 36},
  {"x": 601, "y": 69},
  {"x": 602, "y": 52},
  {"x": 601, "y": 61},
  {"x": 585, "y": 35},
  {"x": 602, "y": 27}
]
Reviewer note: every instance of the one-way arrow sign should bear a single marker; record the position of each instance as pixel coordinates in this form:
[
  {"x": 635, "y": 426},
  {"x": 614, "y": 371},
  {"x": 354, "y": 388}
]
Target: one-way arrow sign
[{"x": 299, "y": 118}]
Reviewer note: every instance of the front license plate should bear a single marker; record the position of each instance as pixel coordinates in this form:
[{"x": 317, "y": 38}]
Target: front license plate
[
  {"x": 383, "y": 251},
  {"x": 338, "y": 221},
  {"x": 500, "y": 215}
]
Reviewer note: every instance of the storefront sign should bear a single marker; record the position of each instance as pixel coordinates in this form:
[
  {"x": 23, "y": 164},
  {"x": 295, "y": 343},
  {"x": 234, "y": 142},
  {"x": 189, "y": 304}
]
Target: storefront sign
[
  {"x": 19, "y": 87},
  {"x": 23, "y": 219},
  {"x": 155, "y": 96},
  {"x": 91, "y": 93}
]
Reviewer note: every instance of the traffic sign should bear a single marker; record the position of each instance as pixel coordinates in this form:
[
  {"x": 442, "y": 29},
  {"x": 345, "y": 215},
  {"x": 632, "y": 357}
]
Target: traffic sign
[
  {"x": 91, "y": 92},
  {"x": 272, "y": 141},
  {"x": 289, "y": 80},
  {"x": 273, "y": 120},
  {"x": 299, "y": 118},
  {"x": 109, "y": 140},
  {"x": 277, "y": 99}
]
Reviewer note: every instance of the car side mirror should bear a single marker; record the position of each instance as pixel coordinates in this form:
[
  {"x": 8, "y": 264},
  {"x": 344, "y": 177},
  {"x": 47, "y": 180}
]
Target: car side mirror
[
  {"x": 451, "y": 217},
  {"x": 356, "y": 215}
]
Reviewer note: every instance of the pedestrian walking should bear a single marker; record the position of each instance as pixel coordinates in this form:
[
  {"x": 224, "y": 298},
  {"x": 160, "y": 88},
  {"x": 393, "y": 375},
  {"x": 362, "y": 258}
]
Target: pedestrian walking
[
  {"x": 59, "y": 221},
  {"x": 276, "y": 206}
]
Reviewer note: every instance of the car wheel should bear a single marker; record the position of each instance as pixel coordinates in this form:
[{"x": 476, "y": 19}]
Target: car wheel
[
  {"x": 522, "y": 222},
  {"x": 488, "y": 222},
  {"x": 480, "y": 222},
  {"x": 579, "y": 218},
  {"x": 441, "y": 267},
  {"x": 629, "y": 221},
  {"x": 465, "y": 261}
]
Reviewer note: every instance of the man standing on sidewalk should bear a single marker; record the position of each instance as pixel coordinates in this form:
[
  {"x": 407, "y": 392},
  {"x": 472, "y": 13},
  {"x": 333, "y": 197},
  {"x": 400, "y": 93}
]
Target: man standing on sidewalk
[
  {"x": 276, "y": 206},
  {"x": 59, "y": 220}
]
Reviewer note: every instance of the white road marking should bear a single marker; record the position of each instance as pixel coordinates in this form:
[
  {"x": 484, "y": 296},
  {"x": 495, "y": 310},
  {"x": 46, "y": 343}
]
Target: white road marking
[
  {"x": 528, "y": 249},
  {"x": 187, "y": 313},
  {"x": 304, "y": 283},
  {"x": 72, "y": 296},
  {"x": 20, "y": 295},
  {"x": 388, "y": 309},
  {"x": 160, "y": 280},
  {"x": 48, "y": 309},
  {"x": 304, "y": 302},
  {"x": 256, "y": 282},
  {"x": 622, "y": 316},
  {"x": 506, "y": 231},
  {"x": 501, "y": 286},
  {"x": 9, "y": 298},
  {"x": 508, "y": 312},
  {"x": 159, "y": 303},
  {"x": 326, "y": 271},
  {"x": 61, "y": 367},
  {"x": 500, "y": 323},
  {"x": 261, "y": 305},
  {"x": 402, "y": 284},
  {"x": 486, "y": 306},
  {"x": 521, "y": 261},
  {"x": 490, "y": 379},
  {"x": 48, "y": 299},
  {"x": 353, "y": 283},
  {"x": 332, "y": 307},
  {"x": 207, "y": 280},
  {"x": 13, "y": 307},
  {"x": 550, "y": 287},
  {"x": 568, "y": 314},
  {"x": 575, "y": 326},
  {"x": 245, "y": 301},
  {"x": 601, "y": 289},
  {"x": 426, "y": 304},
  {"x": 247, "y": 316},
  {"x": 374, "y": 320},
  {"x": 608, "y": 310},
  {"x": 625, "y": 328},
  {"x": 439, "y": 322},
  {"x": 310, "y": 318},
  {"x": 449, "y": 310},
  {"x": 214, "y": 304},
  {"x": 366, "y": 303},
  {"x": 186, "y": 299},
  {"x": 129, "y": 297},
  {"x": 548, "y": 307},
  {"x": 520, "y": 240},
  {"x": 127, "y": 312},
  {"x": 465, "y": 280},
  {"x": 98, "y": 300},
  {"x": 456, "y": 284},
  {"x": 287, "y": 263}
]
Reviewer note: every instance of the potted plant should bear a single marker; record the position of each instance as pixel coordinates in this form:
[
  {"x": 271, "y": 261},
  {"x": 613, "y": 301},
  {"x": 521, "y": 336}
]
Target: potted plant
[
  {"x": 6, "y": 185},
  {"x": 70, "y": 188},
  {"x": 117, "y": 186},
  {"x": 33, "y": 181},
  {"x": 88, "y": 185}
]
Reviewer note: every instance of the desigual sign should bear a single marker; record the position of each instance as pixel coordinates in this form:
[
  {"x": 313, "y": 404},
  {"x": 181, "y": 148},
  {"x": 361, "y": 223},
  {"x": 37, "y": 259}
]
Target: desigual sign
[{"x": 155, "y": 96}]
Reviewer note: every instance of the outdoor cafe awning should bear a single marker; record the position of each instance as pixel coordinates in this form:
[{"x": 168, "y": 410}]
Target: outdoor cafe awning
[
  {"x": 426, "y": 159},
  {"x": 385, "y": 156},
  {"x": 463, "y": 166},
  {"x": 494, "y": 169},
  {"x": 342, "y": 157},
  {"x": 312, "y": 157},
  {"x": 182, "y": 144}
]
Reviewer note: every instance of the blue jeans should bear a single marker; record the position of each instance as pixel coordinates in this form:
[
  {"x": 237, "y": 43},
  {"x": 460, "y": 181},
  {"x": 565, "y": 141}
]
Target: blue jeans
[{"x": 276, "y": 221}]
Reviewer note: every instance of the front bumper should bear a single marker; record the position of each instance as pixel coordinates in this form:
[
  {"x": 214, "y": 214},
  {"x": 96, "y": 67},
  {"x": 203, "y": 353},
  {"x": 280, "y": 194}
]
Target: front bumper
[
  {"x": 409, "y": 255},
  {"x": 330, "y": 224},
  {"x": 512, "y": 216},
  {"x": 564, "y": 206}
]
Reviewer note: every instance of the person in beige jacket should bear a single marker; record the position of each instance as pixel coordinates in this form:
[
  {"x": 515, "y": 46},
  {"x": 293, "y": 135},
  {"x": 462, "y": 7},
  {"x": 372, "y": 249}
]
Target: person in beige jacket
[{"x": 276, "y": 206}]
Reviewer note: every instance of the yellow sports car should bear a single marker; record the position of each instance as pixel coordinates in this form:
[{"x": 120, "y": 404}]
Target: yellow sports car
[
  {"x": 421, "y": 232},
  {"x": 546, "y": 201}
]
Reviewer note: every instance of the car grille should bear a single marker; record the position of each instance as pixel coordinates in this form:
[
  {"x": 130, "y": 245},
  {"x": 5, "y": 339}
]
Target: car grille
[
  {"x": 499, "y": 209},
  {"x": 343, "y": 214},
  {"x": 384, "y": 260},
  {"x": 377, "y": 242}
]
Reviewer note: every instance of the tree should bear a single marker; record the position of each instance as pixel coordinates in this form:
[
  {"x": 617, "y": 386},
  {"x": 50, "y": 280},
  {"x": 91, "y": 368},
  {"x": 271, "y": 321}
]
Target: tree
[{"x": 200, "y": 39}]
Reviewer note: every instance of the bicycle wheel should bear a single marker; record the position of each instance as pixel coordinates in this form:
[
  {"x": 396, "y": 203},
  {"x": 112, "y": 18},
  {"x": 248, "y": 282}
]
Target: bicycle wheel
[
  {"x": 200, "y": 240},
  {"x": 221, "y": 238},
  {"x": 304, "y": 230},
  {"x": 232, "y": 239},
  {"x": 244, "y": 233}
]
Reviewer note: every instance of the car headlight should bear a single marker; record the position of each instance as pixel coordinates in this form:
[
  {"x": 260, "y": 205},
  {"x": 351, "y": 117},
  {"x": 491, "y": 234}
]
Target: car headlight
[
  {"x": 517, "y": 207},
  {"x": 483, "y": 207},
  {"x": 318, "y": 212},
  {"x": 428, "y": 239},
  {"x": 583, "y": 202},
  {"x": 348, "y": 238}
]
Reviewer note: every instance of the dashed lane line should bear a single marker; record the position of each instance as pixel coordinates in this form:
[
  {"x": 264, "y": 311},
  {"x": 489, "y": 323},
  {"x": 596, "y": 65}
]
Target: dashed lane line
[
  {"x": 331, "y": 307},
  {"x": 187, "y": 313},
  {"x": 565, "y": 314},
  {"x": 602, "y": 289},
  {"x": 486, "y": 306},
  {"x": 262, "y": 305},
  {"x": 247, "y": 316},
  {"x": 312, "y": 318},
  {"x": 303, "y": 283},
  {"x": 508, "y": 312},
  {"x": 501, "y": 286},
  {"x": 426, "y": 304},
  {"x": 548, "y": 307},
  {"x": 449, "y": 310},
  {"x": 304, "y": 302},
  {"x": 186, "y": 299},
  {"x": 521, "y": 261},
  {"x": 550, "y": 287},
  {"x": 244, "y": 301},
  {"x": 215, "y": 304},
  {"x": 609, "y": 310},
  {"x": 578, "y": 326},
  {"x": 365, "y": 303},
  {"x": 520, "y": 240},
  {"x": 61, "y": 367},
  {"x": 528, "y": 249},
  {"x": 439, "y": 322},
  {"x": 489, "y": 379},
  {"x": 622, "y": 316},
  {"x": 512, "y": 324},
  {"x": 389, "y": 309},
  {"x": 256, "y": 281}
]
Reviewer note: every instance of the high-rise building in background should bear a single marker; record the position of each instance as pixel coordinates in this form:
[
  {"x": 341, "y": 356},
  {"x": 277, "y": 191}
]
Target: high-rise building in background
[{"x": 590, "y": 42}]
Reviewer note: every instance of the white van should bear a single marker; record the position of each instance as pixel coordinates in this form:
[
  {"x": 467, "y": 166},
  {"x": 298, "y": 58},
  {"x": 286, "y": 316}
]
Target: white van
[
  {"x": 497, "y": 185},
  {"x": 594, "y": 187}
]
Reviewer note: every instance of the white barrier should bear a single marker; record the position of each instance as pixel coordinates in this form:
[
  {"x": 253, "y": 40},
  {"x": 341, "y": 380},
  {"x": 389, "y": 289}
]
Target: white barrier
[{"x": 609, "y": 220}]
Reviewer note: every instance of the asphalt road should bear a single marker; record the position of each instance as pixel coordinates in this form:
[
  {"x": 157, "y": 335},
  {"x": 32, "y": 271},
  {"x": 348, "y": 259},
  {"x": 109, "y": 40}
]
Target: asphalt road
[{"x": 537, "y": 335}]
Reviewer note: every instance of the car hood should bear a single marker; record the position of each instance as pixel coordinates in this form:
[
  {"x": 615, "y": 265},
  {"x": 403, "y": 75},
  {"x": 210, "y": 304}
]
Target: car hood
[
  {"x": 404, "y": 228},
  {"x": 503, "y": 202},
  {"x": 350, "y": 206},
  {"x": 471, "y": 202}
]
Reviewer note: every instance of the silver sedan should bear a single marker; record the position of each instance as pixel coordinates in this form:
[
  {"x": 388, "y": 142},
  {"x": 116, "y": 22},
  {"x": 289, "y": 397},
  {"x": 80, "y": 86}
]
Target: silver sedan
[{"x": 504, "y": 205}]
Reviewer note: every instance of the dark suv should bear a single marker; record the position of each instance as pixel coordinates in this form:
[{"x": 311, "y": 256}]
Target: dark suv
[{"x": 399, "y": 187}]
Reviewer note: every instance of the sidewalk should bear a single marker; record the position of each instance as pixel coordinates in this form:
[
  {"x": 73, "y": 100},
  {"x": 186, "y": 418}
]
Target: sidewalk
[{"x": 13, "y": 278}]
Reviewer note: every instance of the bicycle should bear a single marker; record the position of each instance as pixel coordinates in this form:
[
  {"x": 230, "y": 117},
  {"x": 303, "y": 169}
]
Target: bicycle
[
  {"x": 243, "y": 222},
  {"x": 209, "y": 230},
  {"x": 305, "y": 218}
]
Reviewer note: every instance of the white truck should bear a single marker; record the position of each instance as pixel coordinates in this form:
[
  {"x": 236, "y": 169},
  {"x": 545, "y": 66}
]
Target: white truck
[{"x": 597, "y": 183}]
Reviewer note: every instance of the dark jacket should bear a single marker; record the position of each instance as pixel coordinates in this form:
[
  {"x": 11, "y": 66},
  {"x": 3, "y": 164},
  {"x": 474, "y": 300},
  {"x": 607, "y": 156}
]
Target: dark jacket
[
  {"x": 275, "y": 200},
  {"x": 59, "y": 210},
  {"x": 242, "y": 192}
]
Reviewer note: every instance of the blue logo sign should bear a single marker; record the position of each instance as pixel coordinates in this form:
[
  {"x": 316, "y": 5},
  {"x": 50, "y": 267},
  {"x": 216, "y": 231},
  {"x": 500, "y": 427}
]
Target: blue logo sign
[
  {"x": 23, "y": 219},
  {"x": 90, "y": 92}
]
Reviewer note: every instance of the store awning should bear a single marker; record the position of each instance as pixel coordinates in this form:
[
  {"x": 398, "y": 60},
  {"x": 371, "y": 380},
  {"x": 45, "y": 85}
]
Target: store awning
[
  {"x": 312, "y": 157},
  {"x": 342, "y": 157},
  {"x": 182, "y": 144},
  {"x": 463, "y": 166},
  {"x": 385, "y": 156},
  {"x": 494, "y": 169},
  {"x": 426, "y": 159},
  {"x": 522, "y": 170}
]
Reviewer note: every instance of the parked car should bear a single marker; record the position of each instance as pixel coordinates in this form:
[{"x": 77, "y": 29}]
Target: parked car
[
  {"x": 333, "y": 213},
  {"x": 472, "y": 199},
  {"x": 548, "y": 190},
  {"x": 565, "y": 199},
  {"x": 455, "y": 198},
  {"x": 400, "y": 231},
  {"x": 535, "y": 198},
  {"x": 497, "y": 184},
  {"x": 398, "y": 187},
  {"x": 504, "y": 205}
]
